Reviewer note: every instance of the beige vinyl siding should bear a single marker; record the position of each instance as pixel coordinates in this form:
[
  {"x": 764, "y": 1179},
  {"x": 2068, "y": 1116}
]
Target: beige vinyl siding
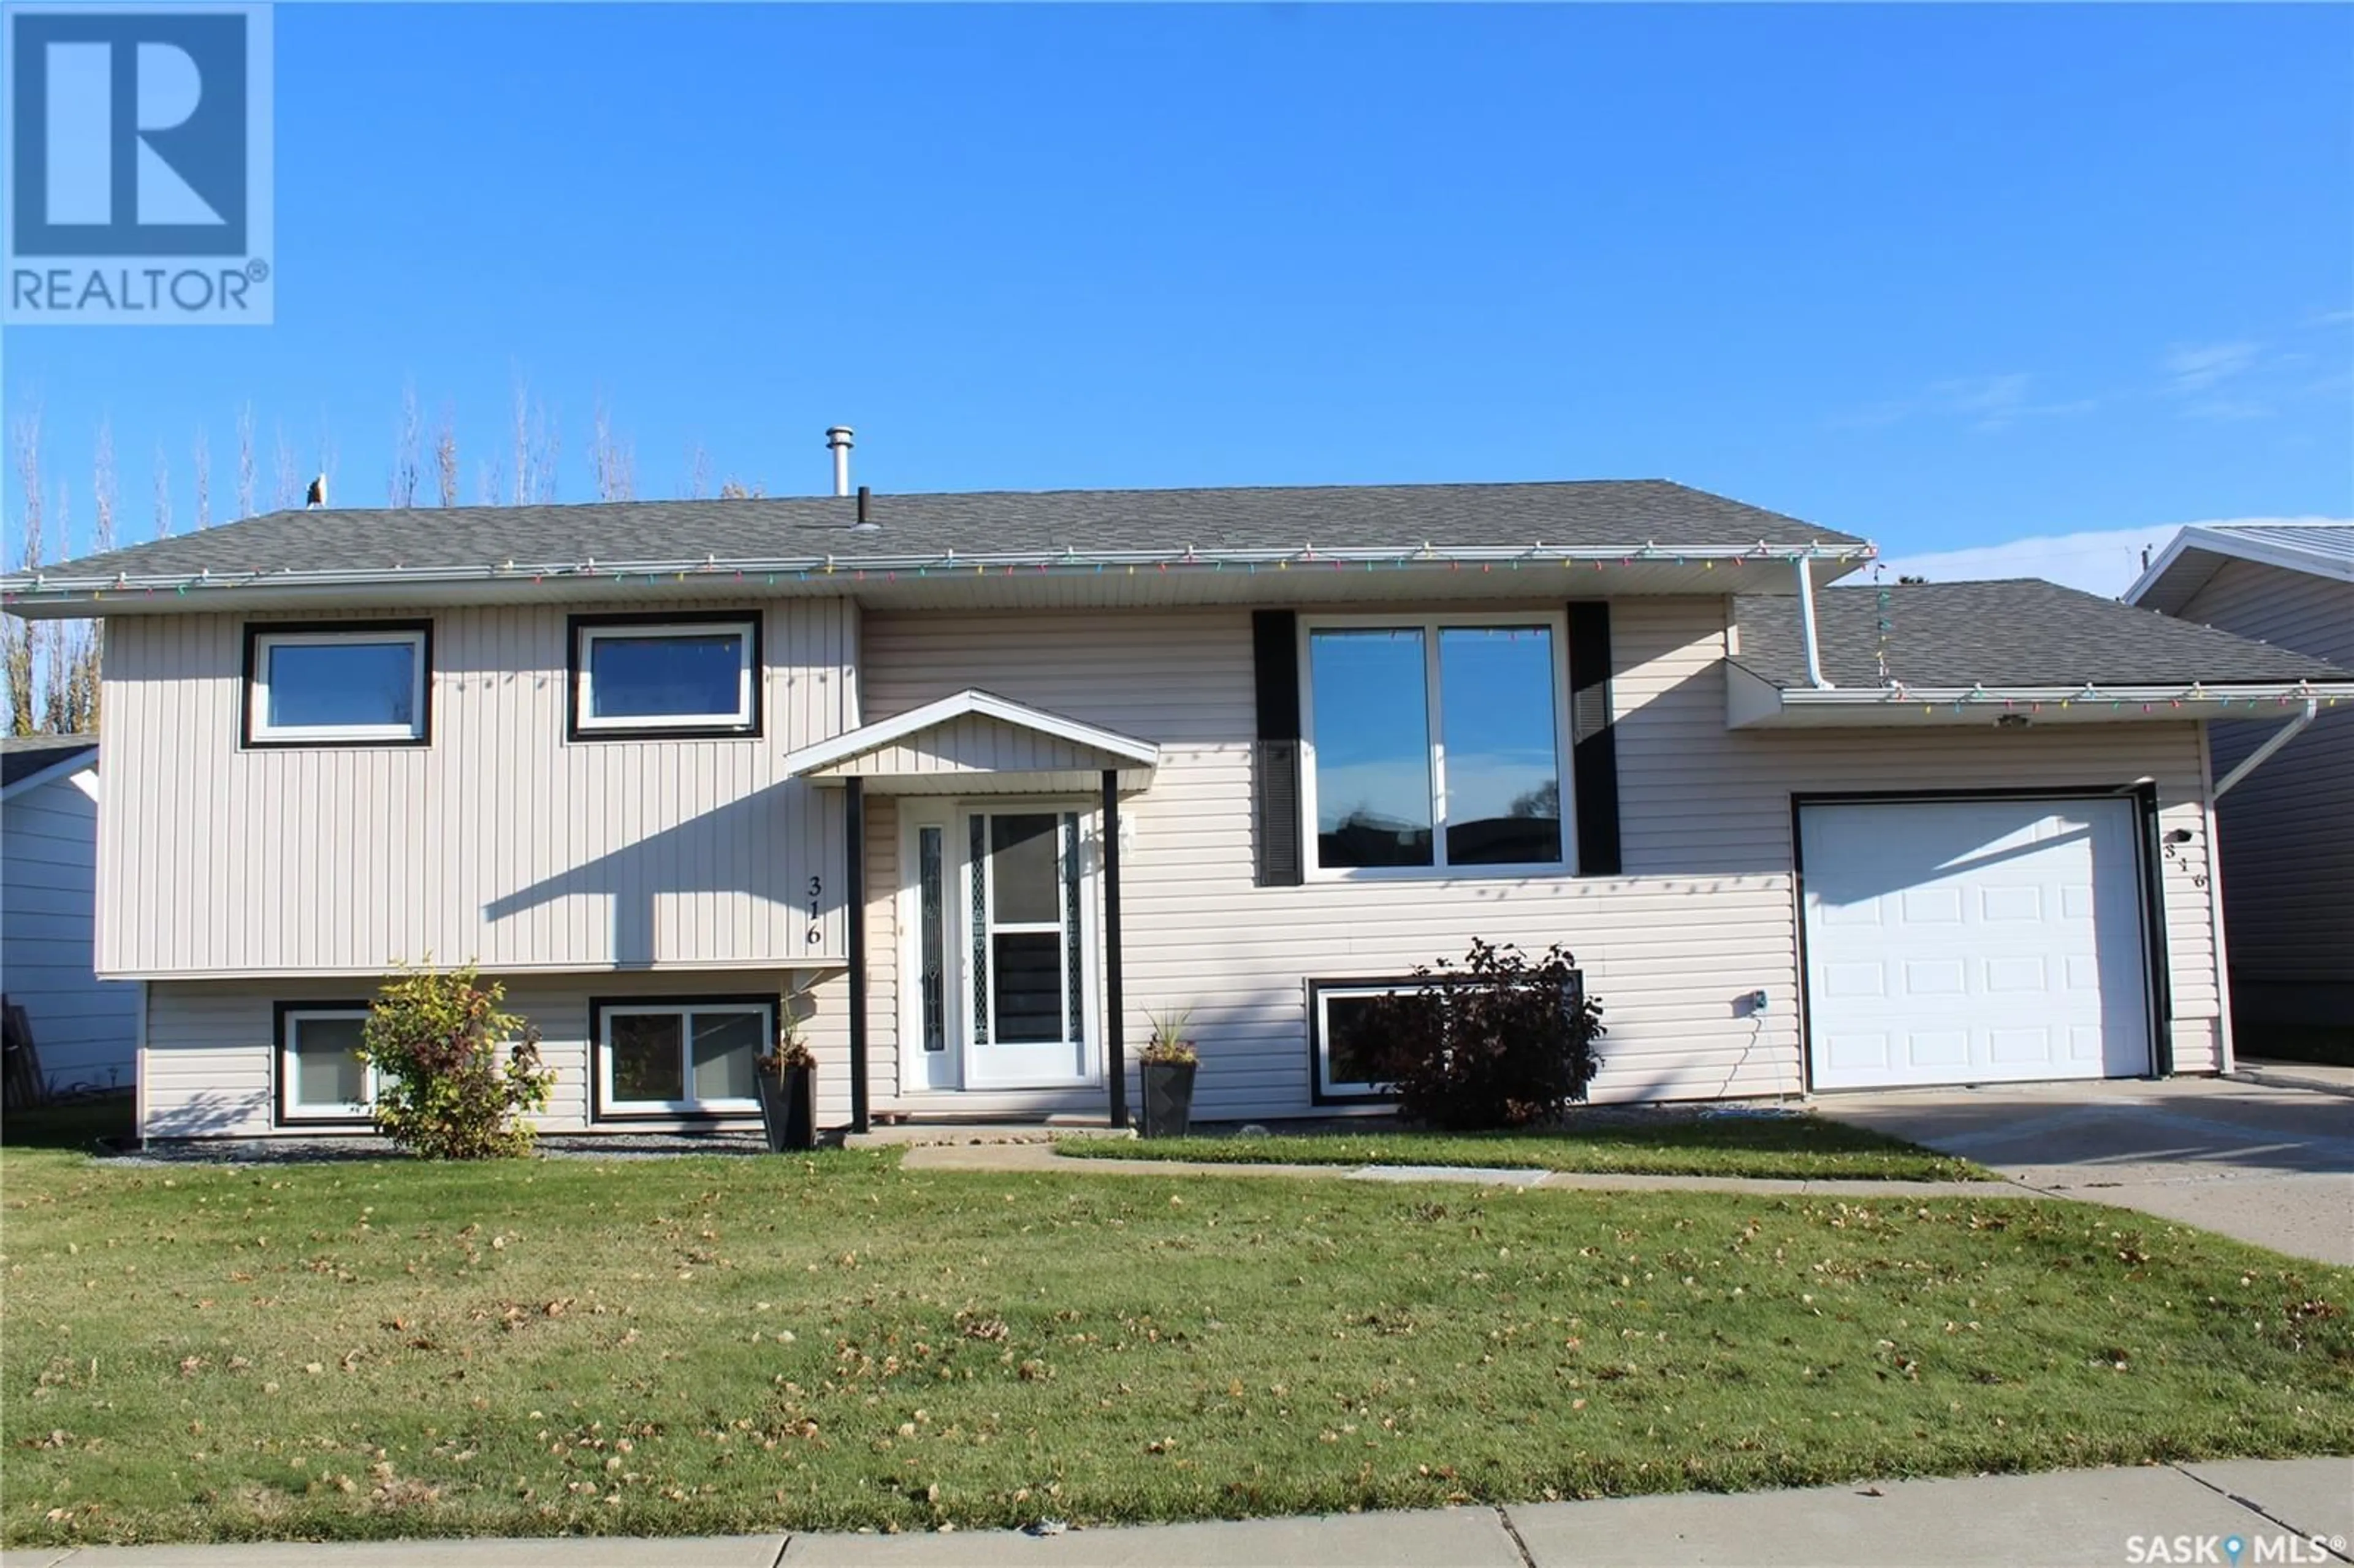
[
  {"x": 1705, "y": 913},
  {"x": 211, "y": 1050},
  {"x": 500, "y": 842},
  {"x": 976, "y": 743},
  {"x": 2288, "y": 831}
]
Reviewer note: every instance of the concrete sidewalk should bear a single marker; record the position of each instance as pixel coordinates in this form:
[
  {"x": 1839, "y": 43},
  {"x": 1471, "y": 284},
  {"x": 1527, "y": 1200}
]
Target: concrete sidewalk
[{"x": 2284, "y": 1512}]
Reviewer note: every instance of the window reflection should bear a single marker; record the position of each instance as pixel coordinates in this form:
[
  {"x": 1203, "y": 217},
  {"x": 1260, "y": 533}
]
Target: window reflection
[{"x": 1372, "y": 746}]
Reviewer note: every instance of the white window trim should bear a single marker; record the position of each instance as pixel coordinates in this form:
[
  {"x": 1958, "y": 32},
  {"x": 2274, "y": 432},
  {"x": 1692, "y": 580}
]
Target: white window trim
[
  {"x": 265, "y": 643},
  {"x": 292, "y": 1110},
  {"x": 1557, "y": 622},
  {"x": 609, "y": 1103},
  {"x": 585, "y": 718},
  {"x": 1327, "y": 1087}
]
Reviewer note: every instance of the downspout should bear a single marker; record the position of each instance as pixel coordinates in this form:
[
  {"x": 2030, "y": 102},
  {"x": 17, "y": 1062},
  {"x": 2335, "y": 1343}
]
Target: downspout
[
  {"x": 2280, "y": 737},
  {"x": 1807, "y": 625}
]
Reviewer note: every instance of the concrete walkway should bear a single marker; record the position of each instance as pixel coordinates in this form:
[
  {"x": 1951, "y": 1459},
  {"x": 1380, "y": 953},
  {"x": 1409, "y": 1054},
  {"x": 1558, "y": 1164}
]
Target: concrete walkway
[
  {"x": 2330, "y": 1077},
  {"x": 2268, "y": 1164},
  {"x": 2275, "y": 1510},
  {"x": 1042, "y": 1157}
]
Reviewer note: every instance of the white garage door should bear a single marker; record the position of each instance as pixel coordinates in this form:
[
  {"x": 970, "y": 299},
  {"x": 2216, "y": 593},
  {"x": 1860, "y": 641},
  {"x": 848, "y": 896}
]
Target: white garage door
[{"x": 1969, "y": 941}]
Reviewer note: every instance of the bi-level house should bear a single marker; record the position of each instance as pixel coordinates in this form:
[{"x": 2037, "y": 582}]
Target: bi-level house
[{"x": 975, "y": 783}]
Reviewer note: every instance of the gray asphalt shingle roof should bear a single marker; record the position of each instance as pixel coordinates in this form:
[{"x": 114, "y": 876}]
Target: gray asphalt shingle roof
[
  {"x": 22, "y": 756},
  {"x": 2016, "y": 633},
  {"x": 1572, "y": 512}
]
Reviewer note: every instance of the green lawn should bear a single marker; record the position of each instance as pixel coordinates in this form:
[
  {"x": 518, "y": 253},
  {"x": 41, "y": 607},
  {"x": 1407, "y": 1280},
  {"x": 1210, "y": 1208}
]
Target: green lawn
[
  {"x": 712, "y": 1344},
  {"x": 1652, "y": 1145}
]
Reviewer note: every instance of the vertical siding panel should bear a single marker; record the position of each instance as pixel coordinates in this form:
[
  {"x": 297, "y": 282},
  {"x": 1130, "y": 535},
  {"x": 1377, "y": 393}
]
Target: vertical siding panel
[{"x": 341, "y": 859}]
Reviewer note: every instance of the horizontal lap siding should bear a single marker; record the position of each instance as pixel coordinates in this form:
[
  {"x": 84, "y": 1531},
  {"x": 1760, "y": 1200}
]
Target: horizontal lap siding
[
  {"x": 2288, "y": 831},
  {"x": 974, "y": 744},
  {"x": 1703, "y": 915},
  {"x": 500, "y": 842},
  {"x": 210, "y": 1047},
  {"x": 83, "y": 1027}
]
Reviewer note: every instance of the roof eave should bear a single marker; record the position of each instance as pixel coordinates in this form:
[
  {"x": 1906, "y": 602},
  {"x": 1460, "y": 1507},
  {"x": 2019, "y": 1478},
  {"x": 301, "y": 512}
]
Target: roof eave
[
  {"x": 2194, "y": 554},
  {"x": 1754, "y": 703},
  {"x": 42, "y": 594}
]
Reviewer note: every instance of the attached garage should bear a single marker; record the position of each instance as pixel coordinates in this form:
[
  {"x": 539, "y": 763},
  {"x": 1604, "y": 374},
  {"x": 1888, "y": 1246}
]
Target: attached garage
[{"x": 1963, "y": 941}]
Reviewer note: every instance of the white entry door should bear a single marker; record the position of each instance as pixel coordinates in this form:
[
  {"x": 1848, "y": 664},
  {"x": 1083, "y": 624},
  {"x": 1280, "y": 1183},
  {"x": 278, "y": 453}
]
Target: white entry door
[
  {"x": 997, "y": 910},
  {"x": 1971, "y": 941}
]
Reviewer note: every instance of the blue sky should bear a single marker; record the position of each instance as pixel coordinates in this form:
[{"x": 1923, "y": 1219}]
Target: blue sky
[{"x": 1943, "y": 276}]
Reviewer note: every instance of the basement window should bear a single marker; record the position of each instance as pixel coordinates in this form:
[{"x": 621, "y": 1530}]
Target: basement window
[
  {"x": 320, "y": 1077},
  {"x": 682, "y": 1058}
]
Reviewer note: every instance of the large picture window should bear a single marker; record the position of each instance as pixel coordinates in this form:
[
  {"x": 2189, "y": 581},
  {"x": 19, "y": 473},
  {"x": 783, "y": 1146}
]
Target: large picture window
[
  {"x": 356, "y": 684},
  {"x": 682, "y": 1058},
  {"x": 1435, "y": 743},
  {"x": 665, "y": 675},
  {"x": 320, "y": 1077}
]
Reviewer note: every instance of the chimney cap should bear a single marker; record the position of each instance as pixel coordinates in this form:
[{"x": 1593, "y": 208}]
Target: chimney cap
[{"x": 838, "y": 435}]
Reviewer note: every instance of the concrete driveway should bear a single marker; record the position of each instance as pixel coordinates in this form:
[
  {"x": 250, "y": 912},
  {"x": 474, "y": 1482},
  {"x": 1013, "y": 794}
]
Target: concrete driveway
[{"x": 2266, "y": 1164}]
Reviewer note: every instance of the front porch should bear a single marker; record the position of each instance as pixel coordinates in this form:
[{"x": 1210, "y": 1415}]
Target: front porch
[{"x": 996, "y": 865}]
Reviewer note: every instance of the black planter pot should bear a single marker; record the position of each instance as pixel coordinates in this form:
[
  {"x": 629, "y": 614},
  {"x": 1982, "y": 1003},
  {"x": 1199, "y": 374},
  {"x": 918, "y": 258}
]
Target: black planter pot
[
  {"x": 789, "y": 1108},
  {"x": 1168, "y": 1099}
]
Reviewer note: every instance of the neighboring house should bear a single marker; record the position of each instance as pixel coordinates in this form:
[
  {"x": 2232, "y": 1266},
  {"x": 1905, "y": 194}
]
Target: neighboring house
[
  {"x": 2287, "y": 833},
  {"x": 976, "y": 782},
  {"x": 85, "y": 1029}
]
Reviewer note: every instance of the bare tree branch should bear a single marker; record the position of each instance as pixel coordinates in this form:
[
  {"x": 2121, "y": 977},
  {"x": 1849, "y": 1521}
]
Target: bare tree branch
[
  {"x": 204, "y": 459},
  {"x": 23, "y": 644},
  {"x": 445, "y": 456},
  {"x": 103, "y": 488},
  {"x": 162, "y": 492},
  {"x": 698, "y": 472},
  {"x": 613, "y": 460},
  {"x": 290, "y": 483},
  {"x": 245, "y": 461},
  {"x": 402, "y": 492}
]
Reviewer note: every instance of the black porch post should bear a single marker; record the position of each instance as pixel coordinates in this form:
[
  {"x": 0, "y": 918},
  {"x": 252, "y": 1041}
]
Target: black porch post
[
  {"x": 1114, "y": 1004},
  {"x": 853, "y": 829}
]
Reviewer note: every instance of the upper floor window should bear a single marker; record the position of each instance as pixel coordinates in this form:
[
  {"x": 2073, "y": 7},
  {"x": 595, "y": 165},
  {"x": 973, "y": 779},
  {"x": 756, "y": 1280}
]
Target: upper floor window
[
  {"x": 665, "y": 674},
  {"x": 1435, "y": 742},
  {"x": 338, "y": 683}
]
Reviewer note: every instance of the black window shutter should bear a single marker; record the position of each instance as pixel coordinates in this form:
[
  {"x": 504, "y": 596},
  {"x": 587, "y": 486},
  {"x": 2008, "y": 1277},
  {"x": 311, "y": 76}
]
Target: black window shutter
[
  {"x": 1275, "y": 760},
  {"x": 1594, "y": 745}
]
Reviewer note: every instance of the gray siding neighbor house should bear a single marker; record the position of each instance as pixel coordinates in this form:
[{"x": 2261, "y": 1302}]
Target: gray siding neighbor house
[
  {"x": 83, "y": 1028},
  {"x": 2287, "y": 833},
  {"x": 973, "y": 784}
]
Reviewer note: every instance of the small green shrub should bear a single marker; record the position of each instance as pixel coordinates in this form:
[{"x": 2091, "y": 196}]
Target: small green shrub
[
  {"x": 1498, "y": 1040},
  {"x": 454, "y": 1076}
]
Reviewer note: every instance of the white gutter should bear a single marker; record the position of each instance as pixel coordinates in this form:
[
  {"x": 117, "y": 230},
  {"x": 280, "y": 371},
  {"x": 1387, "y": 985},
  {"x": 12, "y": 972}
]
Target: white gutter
[
  {"x": 1807, "y": 627},
  {"x": 1306, "y": 556},
  {"x": 2065, "y": 695},
  {"x": 2279, "y": 739}
]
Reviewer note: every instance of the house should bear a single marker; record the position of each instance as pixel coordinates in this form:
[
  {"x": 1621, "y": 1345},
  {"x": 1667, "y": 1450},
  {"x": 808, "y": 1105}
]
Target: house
[
  {"x": 83, "y": 1027},
  {"x": 2287, "y": 833},
  {"x": 973, "y": 783}
]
